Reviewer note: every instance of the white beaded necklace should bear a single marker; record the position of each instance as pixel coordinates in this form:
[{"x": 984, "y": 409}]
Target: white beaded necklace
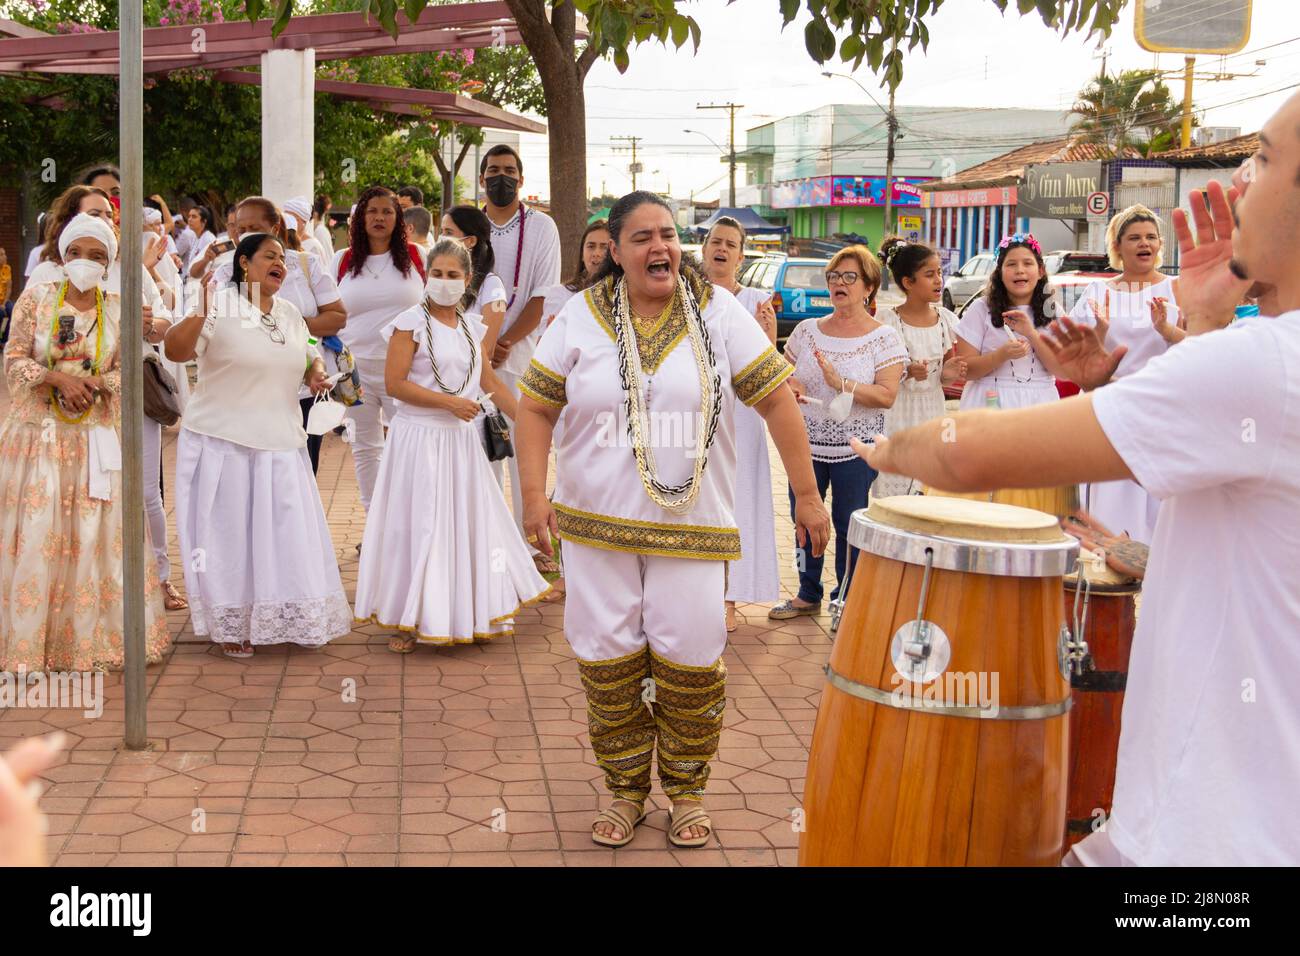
[{"x": 676, "y": 499}]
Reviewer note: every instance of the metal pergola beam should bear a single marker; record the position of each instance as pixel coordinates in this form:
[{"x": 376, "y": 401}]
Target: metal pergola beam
[{"x": 331, "y": 35}]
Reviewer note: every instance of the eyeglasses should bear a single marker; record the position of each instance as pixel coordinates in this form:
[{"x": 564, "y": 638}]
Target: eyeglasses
[
  {"x": 272, "y": 329},
  {"x": 848, "y": 278}
]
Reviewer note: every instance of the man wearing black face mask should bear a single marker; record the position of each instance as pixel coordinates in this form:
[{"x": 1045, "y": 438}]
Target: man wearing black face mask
[{"x": 526, "y": 247}]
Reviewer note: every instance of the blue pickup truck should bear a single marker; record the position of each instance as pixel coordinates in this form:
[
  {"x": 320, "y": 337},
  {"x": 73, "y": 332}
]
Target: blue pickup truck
[{"x": 798, "y": 287}]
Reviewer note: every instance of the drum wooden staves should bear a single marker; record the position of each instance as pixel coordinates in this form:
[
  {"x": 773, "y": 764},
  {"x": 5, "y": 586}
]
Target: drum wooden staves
[
  {"x": 1106, "y": 613},
  {"x": 945, "y": 744}
]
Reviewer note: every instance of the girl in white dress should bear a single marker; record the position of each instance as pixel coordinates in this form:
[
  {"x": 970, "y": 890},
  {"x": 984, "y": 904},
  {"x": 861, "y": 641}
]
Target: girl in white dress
[
  {"x": 754, "y": 578},
  {"x": 929, "y": 333},
  {"x": 1007, "y": 364},
  {"x": 441, "y": 560},
  {"x": 1139, "y": 310},
  {"x": 260, "y": 566}
]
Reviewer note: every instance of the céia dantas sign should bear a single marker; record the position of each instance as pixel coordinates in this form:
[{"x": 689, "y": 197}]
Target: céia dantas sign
[{"x": 1058, "y": 190}]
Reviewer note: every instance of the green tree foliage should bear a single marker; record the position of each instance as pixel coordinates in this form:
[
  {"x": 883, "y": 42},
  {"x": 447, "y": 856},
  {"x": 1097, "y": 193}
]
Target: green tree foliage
[{"x": 1133, "y": 108}]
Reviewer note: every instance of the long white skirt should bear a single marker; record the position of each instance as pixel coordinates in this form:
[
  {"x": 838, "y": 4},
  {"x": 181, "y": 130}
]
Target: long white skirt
[
  {"x": 755, "y": 578},
  {"x": 1124, "y": 507},
  {"x": 441, "y": 557},
  {"x": 912, "y": 406},
  {"x": 259, "y": 562}
]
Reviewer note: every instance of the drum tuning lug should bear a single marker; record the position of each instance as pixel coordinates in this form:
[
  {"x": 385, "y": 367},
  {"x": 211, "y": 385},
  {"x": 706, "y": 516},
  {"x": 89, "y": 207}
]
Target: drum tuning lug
[
  {"x": 837, "y": 610},
  {"x": 920, "y": 651},
  {"x": 1079, "y": 654}
]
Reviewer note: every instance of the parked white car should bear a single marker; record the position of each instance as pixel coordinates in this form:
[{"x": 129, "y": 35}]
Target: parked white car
[{"x": 967, "y": 281}]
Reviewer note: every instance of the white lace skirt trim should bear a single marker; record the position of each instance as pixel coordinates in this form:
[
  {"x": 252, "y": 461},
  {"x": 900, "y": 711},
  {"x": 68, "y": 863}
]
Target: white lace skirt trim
[{"x": 259, "y": 562}]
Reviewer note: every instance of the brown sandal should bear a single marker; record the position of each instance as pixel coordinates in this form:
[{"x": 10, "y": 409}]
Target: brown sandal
[
  {"x": 172, "y": 599},
  {"x": 680, "y": 820},
  {"x": 623, "y": 821},
  {"x": 401, "y": 644}
]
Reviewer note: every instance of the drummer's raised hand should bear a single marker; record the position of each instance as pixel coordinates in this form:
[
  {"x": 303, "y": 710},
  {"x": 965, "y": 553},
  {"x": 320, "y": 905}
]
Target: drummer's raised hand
[
  {"x": 1081, "y": 354},
  {"x": 812, "y": 524}
]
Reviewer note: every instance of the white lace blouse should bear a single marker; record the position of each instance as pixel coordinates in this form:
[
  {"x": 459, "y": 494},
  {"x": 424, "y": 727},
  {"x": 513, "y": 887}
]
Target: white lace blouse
[{"x": 857, "y": 359}]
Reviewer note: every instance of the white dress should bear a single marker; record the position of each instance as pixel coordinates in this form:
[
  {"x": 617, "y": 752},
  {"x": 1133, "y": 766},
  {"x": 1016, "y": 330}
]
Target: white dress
[
  {"x": 441, "y": 557},
  {"x": 1018, "y": 383},
  {"x": 259, "y": 561},
  {"x": 755, "y": 578},
  {"x": 916, "y": 402},
  {"x": 1124, "y": 506}
]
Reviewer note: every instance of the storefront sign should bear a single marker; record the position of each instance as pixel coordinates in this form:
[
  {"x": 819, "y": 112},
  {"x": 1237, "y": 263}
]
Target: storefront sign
[
  {"x": 845, "y": 191},
  {"x": 1058, "y": 190},
  {"x": 955, "y": 198}
]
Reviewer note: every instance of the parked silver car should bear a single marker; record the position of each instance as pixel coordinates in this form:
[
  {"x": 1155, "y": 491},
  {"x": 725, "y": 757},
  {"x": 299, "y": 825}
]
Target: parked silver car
[{"x": 968, "y": 280}]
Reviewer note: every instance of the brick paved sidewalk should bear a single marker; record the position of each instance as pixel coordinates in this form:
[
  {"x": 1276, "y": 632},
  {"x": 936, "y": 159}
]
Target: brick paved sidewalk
[{"x": 471, "y": 755}]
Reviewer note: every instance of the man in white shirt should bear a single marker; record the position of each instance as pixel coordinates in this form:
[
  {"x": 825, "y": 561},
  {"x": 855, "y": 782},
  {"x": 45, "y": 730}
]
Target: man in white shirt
[
  {"x": 418, "y": 223},
  {"x": 526, "y": 246},
  {"x": 1209, "y": 753}
]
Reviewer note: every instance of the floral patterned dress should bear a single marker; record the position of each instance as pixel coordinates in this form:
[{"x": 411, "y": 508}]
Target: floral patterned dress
[{"x": 60, "y": 548}]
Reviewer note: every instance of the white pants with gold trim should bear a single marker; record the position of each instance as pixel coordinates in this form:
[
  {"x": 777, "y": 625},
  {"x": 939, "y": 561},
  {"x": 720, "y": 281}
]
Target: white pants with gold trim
[{"x": 618, "y": 602}]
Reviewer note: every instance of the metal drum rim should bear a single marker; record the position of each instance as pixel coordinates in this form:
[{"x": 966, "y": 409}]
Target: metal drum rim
[{"x": 1018, "y": 559}]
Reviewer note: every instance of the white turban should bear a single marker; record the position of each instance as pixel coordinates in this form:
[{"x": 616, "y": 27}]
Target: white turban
[
  {"x": 300, "y": 209},
  {"x": 85, "y": 226},
  {"x": 152, "y": 217}
]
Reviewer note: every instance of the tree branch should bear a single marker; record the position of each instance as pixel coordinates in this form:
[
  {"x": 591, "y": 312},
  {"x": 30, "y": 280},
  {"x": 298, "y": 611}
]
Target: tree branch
[{"x": 586, "y": 58}]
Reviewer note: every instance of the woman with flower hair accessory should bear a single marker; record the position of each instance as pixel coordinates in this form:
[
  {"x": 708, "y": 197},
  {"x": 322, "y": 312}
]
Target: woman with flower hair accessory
[
  {"x": 1007, "y": 363},
  {"x": 1137, "y": 315}
]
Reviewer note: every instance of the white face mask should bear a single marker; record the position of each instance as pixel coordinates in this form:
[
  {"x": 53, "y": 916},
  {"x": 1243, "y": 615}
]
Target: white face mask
[
  {"x": 84, "y": 274},
  {"x": 445, "y": 291},
  {"x": 841, "y": 406}
]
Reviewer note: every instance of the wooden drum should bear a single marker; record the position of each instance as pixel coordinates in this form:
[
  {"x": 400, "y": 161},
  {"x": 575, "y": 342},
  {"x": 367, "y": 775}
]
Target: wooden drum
[
  {"x": 1060, "y": 501},
  {"x": 943, "y": 733},
  {"x": 1105, "y": 612}
]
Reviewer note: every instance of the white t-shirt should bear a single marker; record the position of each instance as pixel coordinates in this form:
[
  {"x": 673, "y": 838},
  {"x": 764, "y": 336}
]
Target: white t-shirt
[
  {"x": 314, "y": 249},
  {"x": 322, "y": 234},
  {"x": 538, "y": 270},
  {"x": 33, "y": 259},
  {"x": 248, "y": 383},
  {"x": 1209, "y": 754},
  {"x": 184, "y": 239},
  {"x": 1130, "y": 320},
  {"x": 492, "y": 290},
  {"x": 556, "y": 298},
  {"x": 373, "y": 299},
  {"x": 198, "y": 247}
]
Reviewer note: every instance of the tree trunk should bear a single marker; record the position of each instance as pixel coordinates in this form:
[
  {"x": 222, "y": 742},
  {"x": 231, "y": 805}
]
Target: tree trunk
[{"x": 552, "y": 43}]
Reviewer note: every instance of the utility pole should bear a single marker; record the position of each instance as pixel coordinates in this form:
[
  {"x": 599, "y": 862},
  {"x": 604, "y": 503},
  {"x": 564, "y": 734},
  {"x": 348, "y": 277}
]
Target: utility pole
[
  {"x": 633, "y": 167},
  {"x": 731, "y": 143},
  {"x": 891, "y": 119},
  {"x": 1189, "y": 65}
]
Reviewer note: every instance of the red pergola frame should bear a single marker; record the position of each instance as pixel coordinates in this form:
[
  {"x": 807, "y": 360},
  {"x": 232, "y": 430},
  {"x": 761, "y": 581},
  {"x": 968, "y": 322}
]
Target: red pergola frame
[{"x": 334, "y": 36}]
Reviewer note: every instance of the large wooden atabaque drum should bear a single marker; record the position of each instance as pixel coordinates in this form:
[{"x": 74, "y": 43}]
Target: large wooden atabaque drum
[
  {"x": 943, "y": 733},
  {"x": 1104, "y": 611}
]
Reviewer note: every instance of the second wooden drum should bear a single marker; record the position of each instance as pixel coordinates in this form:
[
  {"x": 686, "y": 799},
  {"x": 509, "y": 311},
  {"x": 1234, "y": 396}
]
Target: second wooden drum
[{"x": 943, "y": 731}]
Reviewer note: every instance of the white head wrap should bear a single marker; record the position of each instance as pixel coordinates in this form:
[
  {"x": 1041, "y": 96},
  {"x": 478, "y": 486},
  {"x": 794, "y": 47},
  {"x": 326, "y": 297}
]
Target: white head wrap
[
  {"x": 85, "y": 226},
  {"x": 300, "y": 209},
  {"x": 152, "y": 217}
]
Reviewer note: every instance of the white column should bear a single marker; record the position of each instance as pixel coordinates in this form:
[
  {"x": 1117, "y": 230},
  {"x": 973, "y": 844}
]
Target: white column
[
  {"x": 979, "y": 230},
  {"x": 288, "y": 123}
]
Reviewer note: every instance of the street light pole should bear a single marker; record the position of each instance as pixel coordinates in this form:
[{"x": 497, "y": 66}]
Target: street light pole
[
  {"x": 891, "y": 123},
  {"x": 731, "y": 143}
]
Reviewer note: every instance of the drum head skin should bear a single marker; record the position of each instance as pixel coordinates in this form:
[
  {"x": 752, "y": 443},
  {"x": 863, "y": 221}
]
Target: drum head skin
[{"x": 963, "y": 518}]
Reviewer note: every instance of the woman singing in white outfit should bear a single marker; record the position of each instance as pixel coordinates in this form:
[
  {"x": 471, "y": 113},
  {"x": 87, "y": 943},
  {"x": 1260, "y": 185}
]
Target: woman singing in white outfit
[
  {"x": 1007, "y": 364},
  {"x": 1139, "y": 313},
  {"x": 260, "y": 565},
  {"x": 441, "y": 559},
  {"x": 754, "y": 578}
]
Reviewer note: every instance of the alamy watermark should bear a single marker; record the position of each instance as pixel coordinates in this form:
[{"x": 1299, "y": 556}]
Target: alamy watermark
[
  {"x": 58, "y": 690},
  {"x": 978, "y": 689}
]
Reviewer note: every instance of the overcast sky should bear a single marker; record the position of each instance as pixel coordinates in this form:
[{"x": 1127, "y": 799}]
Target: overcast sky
[{"x": 976, "y": 58}]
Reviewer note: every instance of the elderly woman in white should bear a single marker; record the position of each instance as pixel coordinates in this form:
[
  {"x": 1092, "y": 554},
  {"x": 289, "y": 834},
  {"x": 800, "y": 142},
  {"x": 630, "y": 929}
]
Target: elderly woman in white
[{"x": 260, "y": 566}]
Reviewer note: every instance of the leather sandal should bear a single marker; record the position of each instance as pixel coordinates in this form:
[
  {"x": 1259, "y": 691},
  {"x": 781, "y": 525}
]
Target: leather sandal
[
  {"x": 617, "y": 814},
  {"x": 172, "y": 599},
  {"x": 684, "y": 819}
]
